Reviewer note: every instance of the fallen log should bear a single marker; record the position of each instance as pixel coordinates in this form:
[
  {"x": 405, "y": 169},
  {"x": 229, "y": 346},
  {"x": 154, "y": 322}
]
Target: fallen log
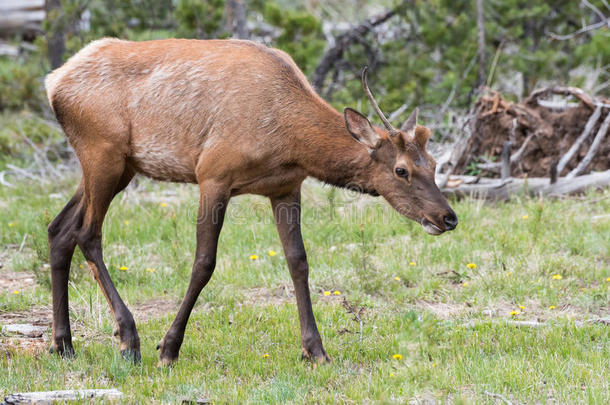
[
  {"x": 498, "y": 189},
  {"x": 51, "y": 397}
]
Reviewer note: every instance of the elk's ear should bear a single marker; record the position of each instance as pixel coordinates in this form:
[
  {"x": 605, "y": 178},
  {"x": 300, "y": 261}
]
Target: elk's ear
[
  {"x": 360, "y": 128},
  {"x": 411, "y": 122},
  {"x": 422, "y": 134}
]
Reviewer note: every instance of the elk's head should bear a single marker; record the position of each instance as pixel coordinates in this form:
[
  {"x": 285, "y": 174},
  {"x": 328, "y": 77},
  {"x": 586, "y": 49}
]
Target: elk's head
[{"x": 402, "y": 169}]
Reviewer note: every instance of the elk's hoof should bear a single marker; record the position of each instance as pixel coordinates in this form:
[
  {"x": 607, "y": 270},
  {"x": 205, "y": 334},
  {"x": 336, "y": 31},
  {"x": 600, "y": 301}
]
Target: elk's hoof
[
  {"x": 166, "y": 358},
  {"x": 317, "y": 356},
  {"x": 65, "y": 350},
  {"x": 132, "y": 355},
  {"x": 166, "y": 362}
]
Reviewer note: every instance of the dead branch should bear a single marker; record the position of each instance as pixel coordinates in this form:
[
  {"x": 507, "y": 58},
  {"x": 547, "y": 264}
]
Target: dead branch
[
  {"x": 585, "y": 133},
  {"x": 397, "y": 113},
  {"x": 3, "y": 180},
  {"x": 599, "y": 138},
  {"x": 505, "y": 163},
  {"x": 498, "y": 396},
  {"x": 588, "y": 28},
  {"x": 357, "y": 313},
  {"x": 532, "y": 100},
  {"x": 516, "y": 157},
  {"x": 342, "y": 43},
  {"x": 498, "y": 189}
]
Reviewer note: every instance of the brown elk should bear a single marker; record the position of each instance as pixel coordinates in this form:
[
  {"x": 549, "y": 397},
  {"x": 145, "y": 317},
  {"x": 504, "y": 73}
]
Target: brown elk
[{"x": 234, "y": 117}]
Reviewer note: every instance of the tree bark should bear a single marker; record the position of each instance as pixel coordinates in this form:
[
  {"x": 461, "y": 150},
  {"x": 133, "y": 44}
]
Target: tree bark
[
  {"x": 56, "y": 41},
  {"x": 236, "y": 18},
  {"x": 481, "y": 44}
]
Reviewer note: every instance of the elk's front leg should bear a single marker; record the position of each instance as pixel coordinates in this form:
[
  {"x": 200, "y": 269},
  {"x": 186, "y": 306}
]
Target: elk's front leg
[
  {"x": 287, "y": 214},
  {"x": 212, "y": 207}
]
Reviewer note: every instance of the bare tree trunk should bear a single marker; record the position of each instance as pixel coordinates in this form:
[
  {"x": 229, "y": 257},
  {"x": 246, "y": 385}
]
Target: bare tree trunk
[
  {"x": 481, "y": 43},
  {"x": 236, "y": 18},
  {"x": 56, "y": 41}
]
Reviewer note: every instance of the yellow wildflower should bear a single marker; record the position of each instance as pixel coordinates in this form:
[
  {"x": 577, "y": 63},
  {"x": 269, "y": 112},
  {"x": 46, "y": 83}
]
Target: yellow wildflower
[
  {"x": 412, "y": 264},
  {"x": 522, "y": 307},
  {"x": 10, "y": 224},
  {"x": 126, "y": 222},
  {"x": 552, "y": 307},
  {"x": 557, "y": 277},
  {"x": 608, "y": 279},
  {"x": 16, "y": 292},
  {"x": 525, "y": 216},
  {"x": 253, "y": 257},
  {"x": 337, "y": 292},
  {"x": 514, "y": 313},
  {"x": 150, "y": 270},
  {"x": 163, "y": 205},
  {"x": 326, "y": 293},
  {"x": 123, "y": 268},
  {"x": 397, "y": 278},
  {"x": 397, "y": 356},
  {"x": 509, "y": 273},
  {"x": 434, "y": 364},
  {"x": 272, "y": 253},
  {"x": 265, "y": 355},
  {"x": 465, "y": 284},
  {"x": 391, "y": 374},
  {"x": 471, "y": 266}
]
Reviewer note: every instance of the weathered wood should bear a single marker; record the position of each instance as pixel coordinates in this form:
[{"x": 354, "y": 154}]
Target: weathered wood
[
  {"x": 599, "y": 139},
  {"x": 566, "y": 91},
  {"x": 18, "y": 16},
  {"x": 495, "y": 167},
  {"x": 584, "y": 135},
  {"x": 497, "y": 189},
  {"x": 553, "y": 172},
  {"x": 342, "y": 43},
  {"x": 51, "y": 397},
  {"x": 505, "y": 171},
  {"x": 24, "y": 329}
]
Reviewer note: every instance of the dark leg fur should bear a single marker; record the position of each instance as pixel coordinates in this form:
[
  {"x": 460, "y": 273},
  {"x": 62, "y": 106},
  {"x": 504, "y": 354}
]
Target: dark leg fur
[{"x": 287, "y": 214}]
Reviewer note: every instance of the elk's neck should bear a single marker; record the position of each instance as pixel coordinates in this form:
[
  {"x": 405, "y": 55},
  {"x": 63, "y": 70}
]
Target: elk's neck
[{"x": 330, "y": 154}]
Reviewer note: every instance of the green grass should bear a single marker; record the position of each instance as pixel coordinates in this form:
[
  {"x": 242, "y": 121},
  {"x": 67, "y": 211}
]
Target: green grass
[{"x": 446, "y": 320}]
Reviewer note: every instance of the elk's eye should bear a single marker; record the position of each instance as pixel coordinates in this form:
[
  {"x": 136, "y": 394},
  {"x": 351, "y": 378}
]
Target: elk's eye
[{"x": 402, "y": 172}]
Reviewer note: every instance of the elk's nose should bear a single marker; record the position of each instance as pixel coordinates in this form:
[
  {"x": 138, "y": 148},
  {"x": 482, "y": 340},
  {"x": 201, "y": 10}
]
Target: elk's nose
[{"x": 450, "y": 221}]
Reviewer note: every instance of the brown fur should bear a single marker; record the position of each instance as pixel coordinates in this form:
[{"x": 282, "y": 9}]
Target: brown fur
[{"x": 235, "y": 117}]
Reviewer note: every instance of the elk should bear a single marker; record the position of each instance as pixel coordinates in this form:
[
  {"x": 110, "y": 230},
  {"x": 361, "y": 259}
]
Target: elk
[{"x": 234, "y": 117}]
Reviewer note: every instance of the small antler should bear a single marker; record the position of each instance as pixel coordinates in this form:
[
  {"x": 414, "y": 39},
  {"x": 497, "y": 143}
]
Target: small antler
[{"x": 385, "y": 121}]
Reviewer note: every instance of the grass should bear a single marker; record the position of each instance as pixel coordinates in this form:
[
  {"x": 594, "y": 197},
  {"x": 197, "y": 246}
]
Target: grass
[{"x": 416, "y": 295}]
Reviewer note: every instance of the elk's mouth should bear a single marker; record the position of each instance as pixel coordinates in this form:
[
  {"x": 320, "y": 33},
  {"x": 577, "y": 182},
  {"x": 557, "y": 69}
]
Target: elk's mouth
[{"x": 430, "y": 227}]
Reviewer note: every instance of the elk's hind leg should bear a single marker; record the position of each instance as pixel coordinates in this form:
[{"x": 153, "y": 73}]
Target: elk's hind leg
[
  {"x": 104, "y": 176},
  {"x": 61, "y": 248}
]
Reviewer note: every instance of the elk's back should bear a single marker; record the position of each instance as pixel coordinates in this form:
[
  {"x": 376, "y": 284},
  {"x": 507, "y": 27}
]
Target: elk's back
[{"x": 165, "y": 102}]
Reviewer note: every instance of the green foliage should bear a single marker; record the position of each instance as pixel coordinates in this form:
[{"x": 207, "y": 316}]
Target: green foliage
[
  {"x": 301, "y": 34},
  {"x": 428, "y": 51},
  {"x": 200, "y": 19},
  {"x": 20, "y": 85}
]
